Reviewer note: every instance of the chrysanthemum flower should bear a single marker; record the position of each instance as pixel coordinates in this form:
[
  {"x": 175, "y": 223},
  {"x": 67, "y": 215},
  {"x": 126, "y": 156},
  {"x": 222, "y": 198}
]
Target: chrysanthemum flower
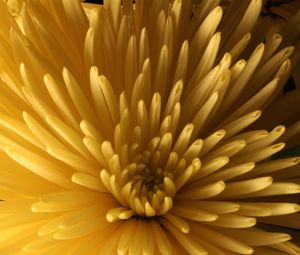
[
  {"x": 274, "y": 13},
  {"x": 272, "y": 21},
  {"x": 145, "y": 129}
]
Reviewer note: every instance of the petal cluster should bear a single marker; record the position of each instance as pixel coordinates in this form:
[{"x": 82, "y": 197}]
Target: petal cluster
[{"x": 146, "y": 128}]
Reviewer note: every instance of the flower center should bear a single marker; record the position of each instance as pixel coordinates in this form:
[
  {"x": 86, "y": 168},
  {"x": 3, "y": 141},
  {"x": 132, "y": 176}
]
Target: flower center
[
  {"x": 152, "y": 191},
  {"x": 150, "y": 181},
  {"x": 144, "y": 188}
]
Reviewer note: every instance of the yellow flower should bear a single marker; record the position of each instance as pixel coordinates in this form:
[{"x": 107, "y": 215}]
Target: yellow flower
[
  {"x": 139, "y": 129},
  {"x": 14, "y": 6},
  {"x": 275, "y": 18}
]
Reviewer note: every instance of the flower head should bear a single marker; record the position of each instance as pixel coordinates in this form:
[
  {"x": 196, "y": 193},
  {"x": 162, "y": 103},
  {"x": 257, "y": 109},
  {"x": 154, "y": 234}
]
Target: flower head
[{"x": 145, "y": 128}]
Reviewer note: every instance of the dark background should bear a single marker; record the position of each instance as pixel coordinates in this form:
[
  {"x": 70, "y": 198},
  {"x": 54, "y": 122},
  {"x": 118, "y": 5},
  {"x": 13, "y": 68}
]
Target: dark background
[{"x": 94, "y": 1}]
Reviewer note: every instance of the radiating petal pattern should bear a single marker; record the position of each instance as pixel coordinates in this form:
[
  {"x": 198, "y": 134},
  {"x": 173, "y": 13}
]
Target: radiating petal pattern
[{"x": 146, "y": 127}]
